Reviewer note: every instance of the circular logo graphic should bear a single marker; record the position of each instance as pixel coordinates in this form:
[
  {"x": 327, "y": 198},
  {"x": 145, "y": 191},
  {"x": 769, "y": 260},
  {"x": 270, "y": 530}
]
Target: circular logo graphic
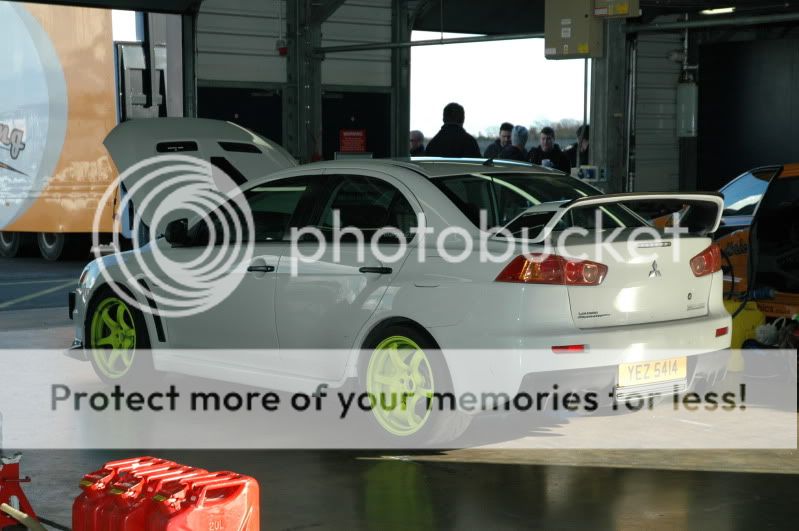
[
  {"x": 33, "y": 111},
  {"x": 211, "y": 230}
]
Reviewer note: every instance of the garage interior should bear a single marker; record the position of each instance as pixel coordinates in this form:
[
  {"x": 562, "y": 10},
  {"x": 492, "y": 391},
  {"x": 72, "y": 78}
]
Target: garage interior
[{"x": 298, "y": 72}]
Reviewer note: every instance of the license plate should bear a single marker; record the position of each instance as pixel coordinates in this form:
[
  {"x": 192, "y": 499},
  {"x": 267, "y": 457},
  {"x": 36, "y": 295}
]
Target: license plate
[{"x": 652, "y": 371}]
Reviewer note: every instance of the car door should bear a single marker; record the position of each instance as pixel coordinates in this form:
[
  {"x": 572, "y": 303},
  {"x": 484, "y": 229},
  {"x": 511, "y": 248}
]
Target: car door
[
  {"x": 742, "y": 198},
  {"x": 324, "y": 303},
  {"x": 246, "y": 318}
]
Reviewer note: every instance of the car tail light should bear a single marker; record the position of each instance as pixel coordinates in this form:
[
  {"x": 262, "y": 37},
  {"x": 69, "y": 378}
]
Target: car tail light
[
  {"x": 553, "y": 269},
  {"x": 722, "y": 331},
  {"x": 707, "y": 262}
]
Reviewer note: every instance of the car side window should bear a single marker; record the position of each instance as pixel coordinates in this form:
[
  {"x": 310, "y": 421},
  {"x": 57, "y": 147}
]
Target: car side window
[
  {"x": 471, "y": 194},
  {"x": 367, "y": 204},
  {"x": 510, "y": 203},
  {"x": 275, "y": 207},
  {"x": 274, "y": 204}
]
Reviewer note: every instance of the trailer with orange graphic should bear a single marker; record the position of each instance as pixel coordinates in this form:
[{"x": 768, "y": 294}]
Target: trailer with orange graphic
[{"x": 59, "y": 101}]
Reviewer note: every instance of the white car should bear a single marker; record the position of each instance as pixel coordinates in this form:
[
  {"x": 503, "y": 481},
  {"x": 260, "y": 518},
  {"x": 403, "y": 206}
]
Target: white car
[{"x": 396, "y": 324}]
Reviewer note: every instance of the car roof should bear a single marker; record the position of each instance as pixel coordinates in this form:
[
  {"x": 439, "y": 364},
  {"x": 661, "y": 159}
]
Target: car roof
[{"x": 433, "y": 168}]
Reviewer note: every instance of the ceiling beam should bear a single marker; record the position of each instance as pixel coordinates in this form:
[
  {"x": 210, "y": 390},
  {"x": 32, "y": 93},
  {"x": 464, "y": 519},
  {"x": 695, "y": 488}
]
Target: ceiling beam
[
  {"x": 321, "y": 10},
  {"x": 181, "y": 7},
  {"x": 480, "y": 16},
  {"x": 420, "y": 9}
]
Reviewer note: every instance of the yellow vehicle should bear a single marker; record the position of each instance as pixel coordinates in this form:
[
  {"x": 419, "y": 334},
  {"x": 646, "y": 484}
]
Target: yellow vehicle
[
  {"x": 59, "y": 103},
  {"x": 759, "y": 239}
]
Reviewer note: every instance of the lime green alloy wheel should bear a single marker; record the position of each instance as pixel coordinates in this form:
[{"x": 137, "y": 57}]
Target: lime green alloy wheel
[
  {"x": 113, "y": 338},
  {"x": 399, "y": 381}
]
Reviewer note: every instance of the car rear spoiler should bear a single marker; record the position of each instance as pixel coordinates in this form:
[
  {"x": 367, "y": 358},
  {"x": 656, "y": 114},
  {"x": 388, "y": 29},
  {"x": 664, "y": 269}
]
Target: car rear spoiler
[{"x": 700, "y": 213}]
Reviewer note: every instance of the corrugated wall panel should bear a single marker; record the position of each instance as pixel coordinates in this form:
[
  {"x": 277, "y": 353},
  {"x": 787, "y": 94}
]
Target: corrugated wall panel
[
  {"x": 358, "y": 22},
  {"x": 657, "y": 152},
  {"x": 236, "y": 41}
]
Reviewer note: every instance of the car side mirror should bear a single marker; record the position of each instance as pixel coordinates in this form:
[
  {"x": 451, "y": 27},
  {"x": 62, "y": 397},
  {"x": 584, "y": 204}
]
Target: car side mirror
[{"x": 177, "y": 232}]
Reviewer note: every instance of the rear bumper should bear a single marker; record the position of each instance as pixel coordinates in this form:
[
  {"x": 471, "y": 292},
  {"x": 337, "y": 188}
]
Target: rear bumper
[
  {"x": 703, "y": 370},
  {"x": 503, "y": 367},
  {"x": 76, "y": 351},
  {"x": 75, "y": 305},
  {"x": 72, "y": 297}
]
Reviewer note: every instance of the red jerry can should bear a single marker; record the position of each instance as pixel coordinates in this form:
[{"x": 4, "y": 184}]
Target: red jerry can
[
  {"x": 130, "y": 513},
  {"x": 118, "y": 486},
  {"x": 128, "y": 491},
  {"x": 213, "y": 503},
  {"x": 95, "y": 486}
]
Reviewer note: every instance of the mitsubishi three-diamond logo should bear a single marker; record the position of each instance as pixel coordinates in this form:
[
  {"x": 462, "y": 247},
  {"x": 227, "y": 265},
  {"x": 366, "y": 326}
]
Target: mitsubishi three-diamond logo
[{"x": 655, "y": 271}]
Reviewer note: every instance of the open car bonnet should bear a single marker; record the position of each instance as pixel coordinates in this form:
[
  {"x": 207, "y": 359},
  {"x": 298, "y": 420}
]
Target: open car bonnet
[{"x": 150, "y": 154}]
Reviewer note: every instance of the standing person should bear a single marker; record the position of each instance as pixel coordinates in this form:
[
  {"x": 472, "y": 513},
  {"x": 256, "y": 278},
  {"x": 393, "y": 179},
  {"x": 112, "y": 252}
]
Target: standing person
[
  {"x": 417, "y": 144},
  {"x": 548, "y": 153},
  {"x": 493, "y": 149},
  {"x": 516, "y": 151},
  {"x": 578, "y": 152},
  {"x": 453, "y": 140}
]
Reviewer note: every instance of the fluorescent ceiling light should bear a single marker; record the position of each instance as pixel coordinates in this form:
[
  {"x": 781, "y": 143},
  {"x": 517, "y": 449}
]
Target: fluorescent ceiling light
[{"x": 718, "y": 11}]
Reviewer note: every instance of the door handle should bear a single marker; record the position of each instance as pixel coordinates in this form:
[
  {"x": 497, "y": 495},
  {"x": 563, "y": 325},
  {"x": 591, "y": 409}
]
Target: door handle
[
  {"x": 378, "y": 270},
  {"x": 261, "y": 269}
]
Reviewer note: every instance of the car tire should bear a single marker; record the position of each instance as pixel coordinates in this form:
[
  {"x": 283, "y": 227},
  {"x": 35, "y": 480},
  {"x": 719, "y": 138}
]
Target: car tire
[
  {"x": 116, "y": 340},
  {"x": 402, "y": 360}
]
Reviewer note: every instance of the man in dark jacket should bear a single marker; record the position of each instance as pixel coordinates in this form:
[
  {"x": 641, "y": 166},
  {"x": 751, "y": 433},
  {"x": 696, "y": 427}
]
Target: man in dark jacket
[
  {"x": 579, "y": 148},
  {"x": 453, "y": 140},
  {"x": 516, "y": 151},
  {"x": 417, "y": 144},
  {"x": 493, "y": 149},
  {"x": 549, "y": 154}
]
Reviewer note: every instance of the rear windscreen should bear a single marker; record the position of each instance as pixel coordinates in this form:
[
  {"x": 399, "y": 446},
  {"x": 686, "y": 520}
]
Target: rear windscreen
[{"x": 505, "y": 196}]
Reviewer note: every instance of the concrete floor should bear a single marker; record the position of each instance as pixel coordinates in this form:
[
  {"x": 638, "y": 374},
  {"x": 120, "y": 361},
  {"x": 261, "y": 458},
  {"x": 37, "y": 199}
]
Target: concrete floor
[
  {"x": 348, "y": 490},
  {"x": 27, "y": 283},
  {"x": 492, "y": 487}
]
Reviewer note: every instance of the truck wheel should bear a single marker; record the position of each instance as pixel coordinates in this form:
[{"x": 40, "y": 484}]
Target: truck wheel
[
  {"x": 51, "y": 245},
  {"x": 10, "y": 243}
]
